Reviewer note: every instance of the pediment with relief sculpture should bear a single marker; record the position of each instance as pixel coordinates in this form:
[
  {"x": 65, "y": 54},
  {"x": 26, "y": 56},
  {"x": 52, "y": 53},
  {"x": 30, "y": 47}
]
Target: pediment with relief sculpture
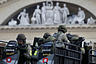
[{"x": 51, "y": 13}]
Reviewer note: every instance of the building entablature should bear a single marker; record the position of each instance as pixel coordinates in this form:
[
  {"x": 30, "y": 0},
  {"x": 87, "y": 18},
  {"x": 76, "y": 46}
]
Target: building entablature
[{"x": 50, "y": 27}]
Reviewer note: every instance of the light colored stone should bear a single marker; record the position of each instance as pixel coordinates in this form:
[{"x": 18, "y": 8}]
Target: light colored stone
[
  {"x": 91, "y": 21},
  {"x": 43, "y": 9},
  {"x": 37, "y": 14},
  {"x": 88, "y": 5},
  {"x": 79, "y": 18},
  {"x": 65, "y": 13},
  {"x": 49, "y": 13},
  {"x": 12, "y": 22},
  {"x": 23, "y": 18},
  {"x": 57, "y": 14}
]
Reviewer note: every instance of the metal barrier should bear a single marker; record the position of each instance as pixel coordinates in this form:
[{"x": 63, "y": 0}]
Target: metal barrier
[
  {"x": 69, "y": 54},
  {"x": 92, "y": 57}
]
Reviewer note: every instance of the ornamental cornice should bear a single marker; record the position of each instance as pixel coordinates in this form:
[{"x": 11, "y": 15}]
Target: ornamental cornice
[{"x": 39, "y": 27}]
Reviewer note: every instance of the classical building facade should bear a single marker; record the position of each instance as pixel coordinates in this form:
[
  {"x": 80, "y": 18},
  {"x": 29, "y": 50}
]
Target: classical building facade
[{"x": 12, "y": 10}]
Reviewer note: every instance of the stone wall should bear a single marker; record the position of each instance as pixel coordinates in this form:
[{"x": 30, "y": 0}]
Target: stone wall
[
  {"x": 4, "y": 3},
  {"x": 11, "y": 32}
]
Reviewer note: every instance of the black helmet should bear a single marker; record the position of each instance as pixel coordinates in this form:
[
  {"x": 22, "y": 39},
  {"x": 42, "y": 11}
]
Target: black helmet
[
  {"x": 21, "y": 36},
  {"x": 41, "y": 41},
  {"x": 62, "y": 28},
  {"x": 74, "y": 38},
  {"x": 75, "y": 35},
  {"x": 46, "y": 35},
  {"x": 51, "y": 39}
]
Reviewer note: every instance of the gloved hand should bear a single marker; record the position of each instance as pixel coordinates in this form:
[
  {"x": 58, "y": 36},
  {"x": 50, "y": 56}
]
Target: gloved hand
[
  {"x": 27, "y": 56},
  {"x": 33, "y": 57},
  {"x": 21, "y": 48},
  {"x": 18, "y": 47}
]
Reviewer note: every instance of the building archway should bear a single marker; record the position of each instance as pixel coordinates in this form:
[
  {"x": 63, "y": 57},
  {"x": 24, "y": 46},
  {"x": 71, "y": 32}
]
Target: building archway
[{"x": 73, "y": 8}]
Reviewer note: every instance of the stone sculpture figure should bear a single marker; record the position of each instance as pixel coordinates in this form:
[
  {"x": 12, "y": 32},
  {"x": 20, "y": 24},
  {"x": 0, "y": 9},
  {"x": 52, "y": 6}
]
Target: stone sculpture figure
[
  {"x": 37, "y": 14},
  {"x": 57, "y": 15},
  {"x": 43, "y": 9},
  {"x": 12, "y": 22},
  {"x": 33, "y": 20},
  {"x": 27, "y": 16},
  {"x": 49, "y": 12},
  {"x": 80, "y": 17},
  {"x": 91, "y": 20},
  {"x": 23, "y": 18},
  {"x": 65, "y": 12}
]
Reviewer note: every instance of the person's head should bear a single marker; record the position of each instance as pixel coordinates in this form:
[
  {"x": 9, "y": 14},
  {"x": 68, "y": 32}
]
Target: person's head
[
  {"x": 75, "y": 38},
  {"x": 21, "y": 39},
  {"x": 64, "y": 5},
  {"x": 52, "y": 39},
  {"x": 24, "y": 10},
  {"x": 75, "y": 35},
  {"x": 38, "y": 6},
  {"x": 91, "y": 18},
  {"x": 41, "y": 41},
  {"x": 43, "y": 4},
  {"x": 46, "y": 35},
  {"x": 62, "y": 28},
  {"x": 49, "y": 4},
  {"x": 57, "y": 4},
  {"x": 12, "y": 19},
  {"x": 79, "y": 8}
]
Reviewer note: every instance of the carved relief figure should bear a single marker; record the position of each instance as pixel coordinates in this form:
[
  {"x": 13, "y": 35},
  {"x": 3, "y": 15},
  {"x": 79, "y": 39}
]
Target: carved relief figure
[
  {"x": 43, "y": 9},
  {"x": 33, "y": 20},
  {"x": 57, "y": 15},
  {"x": 27, "y": 16},
  {"x": 80, "y": 17},
  {"x": 23, "y": 18},
  {"x": 91, "y": 21},
  {"x": 12, "y": 22},
  {"x": 65, "y": 12},
  {"x": 37, "y": 14},
  {"x": 49, "y": 12}
]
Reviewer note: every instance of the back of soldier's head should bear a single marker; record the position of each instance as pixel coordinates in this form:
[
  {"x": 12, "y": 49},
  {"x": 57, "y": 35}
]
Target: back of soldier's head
[
  {"x": 52, "y": 39},
  {"x": 62, "y": 28},
  {"x": 41, "y": 40},
  {"x": 74, "y": 38},
  {"x": 75, "y": 35},
  {"x": 46, "y": 35}
]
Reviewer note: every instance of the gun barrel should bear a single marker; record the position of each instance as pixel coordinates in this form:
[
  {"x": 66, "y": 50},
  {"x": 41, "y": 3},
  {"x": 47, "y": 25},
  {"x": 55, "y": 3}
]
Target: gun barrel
[{"x": 3, "y": 41}]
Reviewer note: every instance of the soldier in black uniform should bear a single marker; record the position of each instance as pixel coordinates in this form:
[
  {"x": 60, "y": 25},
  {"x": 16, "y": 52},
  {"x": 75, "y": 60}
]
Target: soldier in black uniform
[{"x": 24, "y": 50}]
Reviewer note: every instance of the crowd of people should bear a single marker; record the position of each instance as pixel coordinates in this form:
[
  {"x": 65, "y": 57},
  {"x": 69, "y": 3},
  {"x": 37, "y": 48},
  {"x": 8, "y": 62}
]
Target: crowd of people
[
  {"x": 47, "y": 37},
  {"x": 25, "y": 51}
]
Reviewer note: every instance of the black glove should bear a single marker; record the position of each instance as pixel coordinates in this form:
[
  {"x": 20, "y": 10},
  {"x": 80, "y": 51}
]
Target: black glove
[
  {"x": 21, "y": 48},
  {"x": 27, "y": 56},
  {"x": 33, "y": 57},
  {"x": 18, "y": 47}
]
